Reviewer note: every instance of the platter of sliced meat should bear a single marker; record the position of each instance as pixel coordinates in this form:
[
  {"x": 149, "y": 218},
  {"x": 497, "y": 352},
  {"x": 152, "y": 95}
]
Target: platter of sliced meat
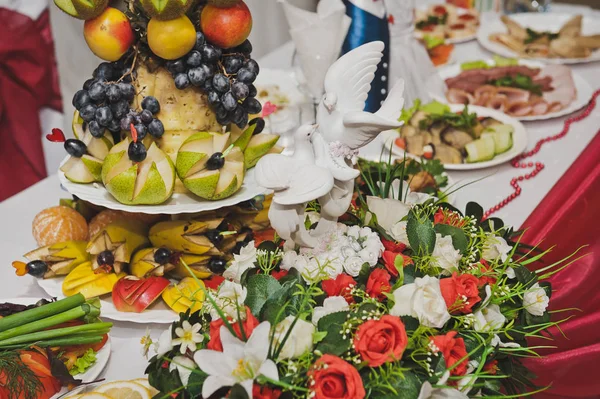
[{"x": 527, "y": 90}]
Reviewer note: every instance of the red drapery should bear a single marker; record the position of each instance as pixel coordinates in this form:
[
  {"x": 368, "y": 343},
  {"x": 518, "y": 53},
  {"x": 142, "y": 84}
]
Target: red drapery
[
  {"x": 28, "y": 82},
  {"x": 569, "y": 216}
]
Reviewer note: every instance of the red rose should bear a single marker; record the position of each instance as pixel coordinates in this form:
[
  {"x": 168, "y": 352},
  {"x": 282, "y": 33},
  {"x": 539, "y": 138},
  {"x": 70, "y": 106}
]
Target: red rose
[
  {"x": 491, "y": 367},
  {"x": 279, "y": 275},
  {"x": 389, "y": 258},
  {"x": 446, "y": 216},
  {"x": 485, "y": 278},
  {"x": 215, "y": 330},
  {"x": 334, "y": 378},
  {"x": 460, "y": 292},
  {"x": 378, "y": 283},
  {"x": 213, "y": 282},
  {"x": 393, "y": 246},
  {"x": 381, "y": 341},
  {"x": 341, "y": 286},
  {"x": 264, "y": 392},
  {"x": 453, "y": 350}
]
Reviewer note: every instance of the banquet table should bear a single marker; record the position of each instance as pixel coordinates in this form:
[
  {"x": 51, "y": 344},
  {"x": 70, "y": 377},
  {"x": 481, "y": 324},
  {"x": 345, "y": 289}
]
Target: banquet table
[{"x": 127, "y": 361}]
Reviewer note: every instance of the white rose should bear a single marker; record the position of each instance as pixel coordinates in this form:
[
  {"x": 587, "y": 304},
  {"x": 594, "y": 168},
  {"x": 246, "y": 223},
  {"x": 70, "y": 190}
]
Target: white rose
[
  {"x": 422, "y": 299},
  {"x": 288, "y": 260},
  {"x": 415, "y": 198},
  {"x": 313, "y": 272},
  {"x": 332, "y": 304},
  {"x": 229, "y": 297},
  {"x": 388, "y": 211},
  {"x": 428, "y": 392},
  {"x": 444, "y": 253},
  {"x": 510, "y": 272},
  {"x": 165, "y": 342},
  {"x": 241, "y": 262},
  {"x": 398, "y": 233},
  {"x": 300, "y": 339},
  {"x": 353, "y": 265},
  {"x": 370, "y": 257},
  {"x": 489, "y": 318},
  {"x": 535, "y": 300},
  {"x": 354, "y": 232},
  {"x": 495, "y": 247},
  {"x": 184, "y": 366}
]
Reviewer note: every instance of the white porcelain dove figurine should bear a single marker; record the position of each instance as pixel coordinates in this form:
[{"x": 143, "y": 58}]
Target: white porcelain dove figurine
[{"x": 295, "y": 180}]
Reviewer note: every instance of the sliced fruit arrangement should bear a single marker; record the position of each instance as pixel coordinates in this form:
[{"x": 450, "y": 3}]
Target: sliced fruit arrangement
[
  {"x": 82, "y": 9},
  {"x": 55, "y": 260},
  {"x": 114, "y": 245},
  {"x": 132, "y": 294},
  {"x": 88, "y": 282},
  {"x": 210, "y": 166},
  {"x": 44, "y": 344},
  {"x": 187, "y": 294},
  {"x": 134, "y": 175},
  {"x": 432, "y": 131},
  {"x": 135, "y": 389}
]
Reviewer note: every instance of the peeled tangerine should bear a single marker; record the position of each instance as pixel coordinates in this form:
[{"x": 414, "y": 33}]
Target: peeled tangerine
[
  {"x": 209, "y": 167},
  {"x": 88, "y": 168},
  {"x": 85, "y": 281},
  {"x": 59, "y": 224},
  {"x": 135, "y": 183},
  {"x": 187, "y": 294}
]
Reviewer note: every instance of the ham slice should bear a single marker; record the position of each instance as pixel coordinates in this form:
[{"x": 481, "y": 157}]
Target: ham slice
[
  {"x": 555, "y": 107},
  {"x": 540, "y": 107},
  {"x": 545, "y": 82},
  {"x": 498, "y": 102},
  {"x": 483, "y": 94},
  {"x": 562, "y": 81},
  {"x": 457, "y": 96},
  {"x": 518, "y": 108},
  {"x": 515, "y": 95}
]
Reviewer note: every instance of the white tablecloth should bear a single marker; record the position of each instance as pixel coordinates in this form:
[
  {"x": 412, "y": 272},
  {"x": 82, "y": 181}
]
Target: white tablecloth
[{"x": 126, "y": 361}]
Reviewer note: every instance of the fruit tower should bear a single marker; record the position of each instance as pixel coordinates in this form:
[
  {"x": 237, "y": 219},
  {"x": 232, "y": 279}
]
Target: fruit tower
[{"x": 173, "y": 108}]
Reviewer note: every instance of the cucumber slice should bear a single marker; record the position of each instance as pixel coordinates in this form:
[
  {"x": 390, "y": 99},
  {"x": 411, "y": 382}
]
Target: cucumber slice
[
  {"x": 502, "y": 137},
  {"x": 480, "y": 150}
]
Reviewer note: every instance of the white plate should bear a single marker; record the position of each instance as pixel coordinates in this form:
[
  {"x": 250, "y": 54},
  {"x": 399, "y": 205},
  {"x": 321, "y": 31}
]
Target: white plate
[
  {"x": 519, "y": 140},
  {"x": 419, "y": 34},
  {"x": 551, "y": 22},
  {"x": 158, "y": 312},
  {"x": 93, "y": 372},
  {"x": 178, "y": 203},
  {"x": 584, "y": 90}
]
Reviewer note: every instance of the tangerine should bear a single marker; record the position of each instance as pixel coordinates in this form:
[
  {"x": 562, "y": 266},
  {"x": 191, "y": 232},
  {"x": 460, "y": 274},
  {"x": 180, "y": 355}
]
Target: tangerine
[{"x": 59, "y": 224}]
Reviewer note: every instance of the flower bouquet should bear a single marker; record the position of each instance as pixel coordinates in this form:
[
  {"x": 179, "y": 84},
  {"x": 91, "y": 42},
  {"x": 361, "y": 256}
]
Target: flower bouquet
[{"x": 406, "y": 298}]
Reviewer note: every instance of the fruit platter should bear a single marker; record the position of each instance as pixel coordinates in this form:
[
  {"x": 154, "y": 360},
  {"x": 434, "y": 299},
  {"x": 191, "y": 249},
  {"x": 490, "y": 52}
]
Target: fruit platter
[
  {"x": 461, "y": 137},
  {"x": 446, "y": 21},
  {"x": 50, "y": 347},
  {"x": 525, "y": 90},
  {"x": 171, "y": 117}
]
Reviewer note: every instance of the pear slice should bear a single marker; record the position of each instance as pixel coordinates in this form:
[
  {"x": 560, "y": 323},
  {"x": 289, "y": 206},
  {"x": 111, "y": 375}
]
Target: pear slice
[
  {"x": 86, "y": 169},
  {"x": 258, "y": 146},
  {"x": 211, "y": 184},
  {"x": 148, "y": 182}
]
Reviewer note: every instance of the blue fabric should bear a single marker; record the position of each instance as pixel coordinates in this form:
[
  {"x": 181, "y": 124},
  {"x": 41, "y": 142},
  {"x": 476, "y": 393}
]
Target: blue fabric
[{"x": 366, "y": 28}]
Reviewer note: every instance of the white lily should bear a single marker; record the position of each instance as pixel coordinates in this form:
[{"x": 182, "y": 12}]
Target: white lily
[
  {"x": 189, "y": 336},
  {"x": 184, "y": 366},
  {"x": 239, "y": 363},
  {"x": 165, "y": 342},
  {"x": 241, "y": 262}
]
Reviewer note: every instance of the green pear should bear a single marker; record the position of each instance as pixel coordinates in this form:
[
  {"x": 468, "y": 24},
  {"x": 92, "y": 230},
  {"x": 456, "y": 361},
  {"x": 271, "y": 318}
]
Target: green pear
[
  {"x": 86, "y": 169},
  {"x": 135, "y": 183},
  {"x": 243, "y": 140},
  {"x": 204, "y": 179},
  {"x": 258, "y": 146},
  {"x": 165, "y": 9}
]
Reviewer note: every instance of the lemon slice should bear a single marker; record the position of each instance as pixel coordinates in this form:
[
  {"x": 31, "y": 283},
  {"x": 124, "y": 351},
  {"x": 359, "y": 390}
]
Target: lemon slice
[
  {"x": 146, "y": 384},
  {"x": 91, "y": 395},
  {"x": 124, "y": 390}
]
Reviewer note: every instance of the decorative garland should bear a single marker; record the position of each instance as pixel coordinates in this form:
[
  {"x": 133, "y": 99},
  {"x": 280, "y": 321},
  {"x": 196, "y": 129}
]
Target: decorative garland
[{"x": 539, "y": 166}]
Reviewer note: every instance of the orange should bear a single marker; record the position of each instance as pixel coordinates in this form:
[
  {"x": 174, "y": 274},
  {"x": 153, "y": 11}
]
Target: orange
[{"x": 59, "y": 224}]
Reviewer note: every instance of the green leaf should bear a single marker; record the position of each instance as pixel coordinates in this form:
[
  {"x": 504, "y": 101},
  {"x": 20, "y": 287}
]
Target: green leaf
[
  {"x": 525, "y": 277},
  {"x": 547, "y": 287},
  {"x": 333, "y": 342},
  {"x": 195, "y": 383},
  {"x": 260, "y": 287},
  {"x": 474, "y": 210},
  {"x": 283, "y": 298},
  {"x": 399, "y": 265},
  {"x": 406, "y": 386},
  {"x": 532, "y": 320},
  {"x": 421, "y": 235},
  {"x": 409, "y": 274},
  {"x": 238, "y": 392},
  {"x": 363, "y": 275},
  {"x": 319, "y": 336},
  {"x": 410, "y": 323},
  {"x": 459, "y": 238}
]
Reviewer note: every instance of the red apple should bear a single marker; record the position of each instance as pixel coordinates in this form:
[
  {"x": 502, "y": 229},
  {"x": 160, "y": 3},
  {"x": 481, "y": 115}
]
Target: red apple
[
  {"x": 135, "y": 295},
  {"x": 109, "y": 35},
  {"x": 226, "y": 27}
]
